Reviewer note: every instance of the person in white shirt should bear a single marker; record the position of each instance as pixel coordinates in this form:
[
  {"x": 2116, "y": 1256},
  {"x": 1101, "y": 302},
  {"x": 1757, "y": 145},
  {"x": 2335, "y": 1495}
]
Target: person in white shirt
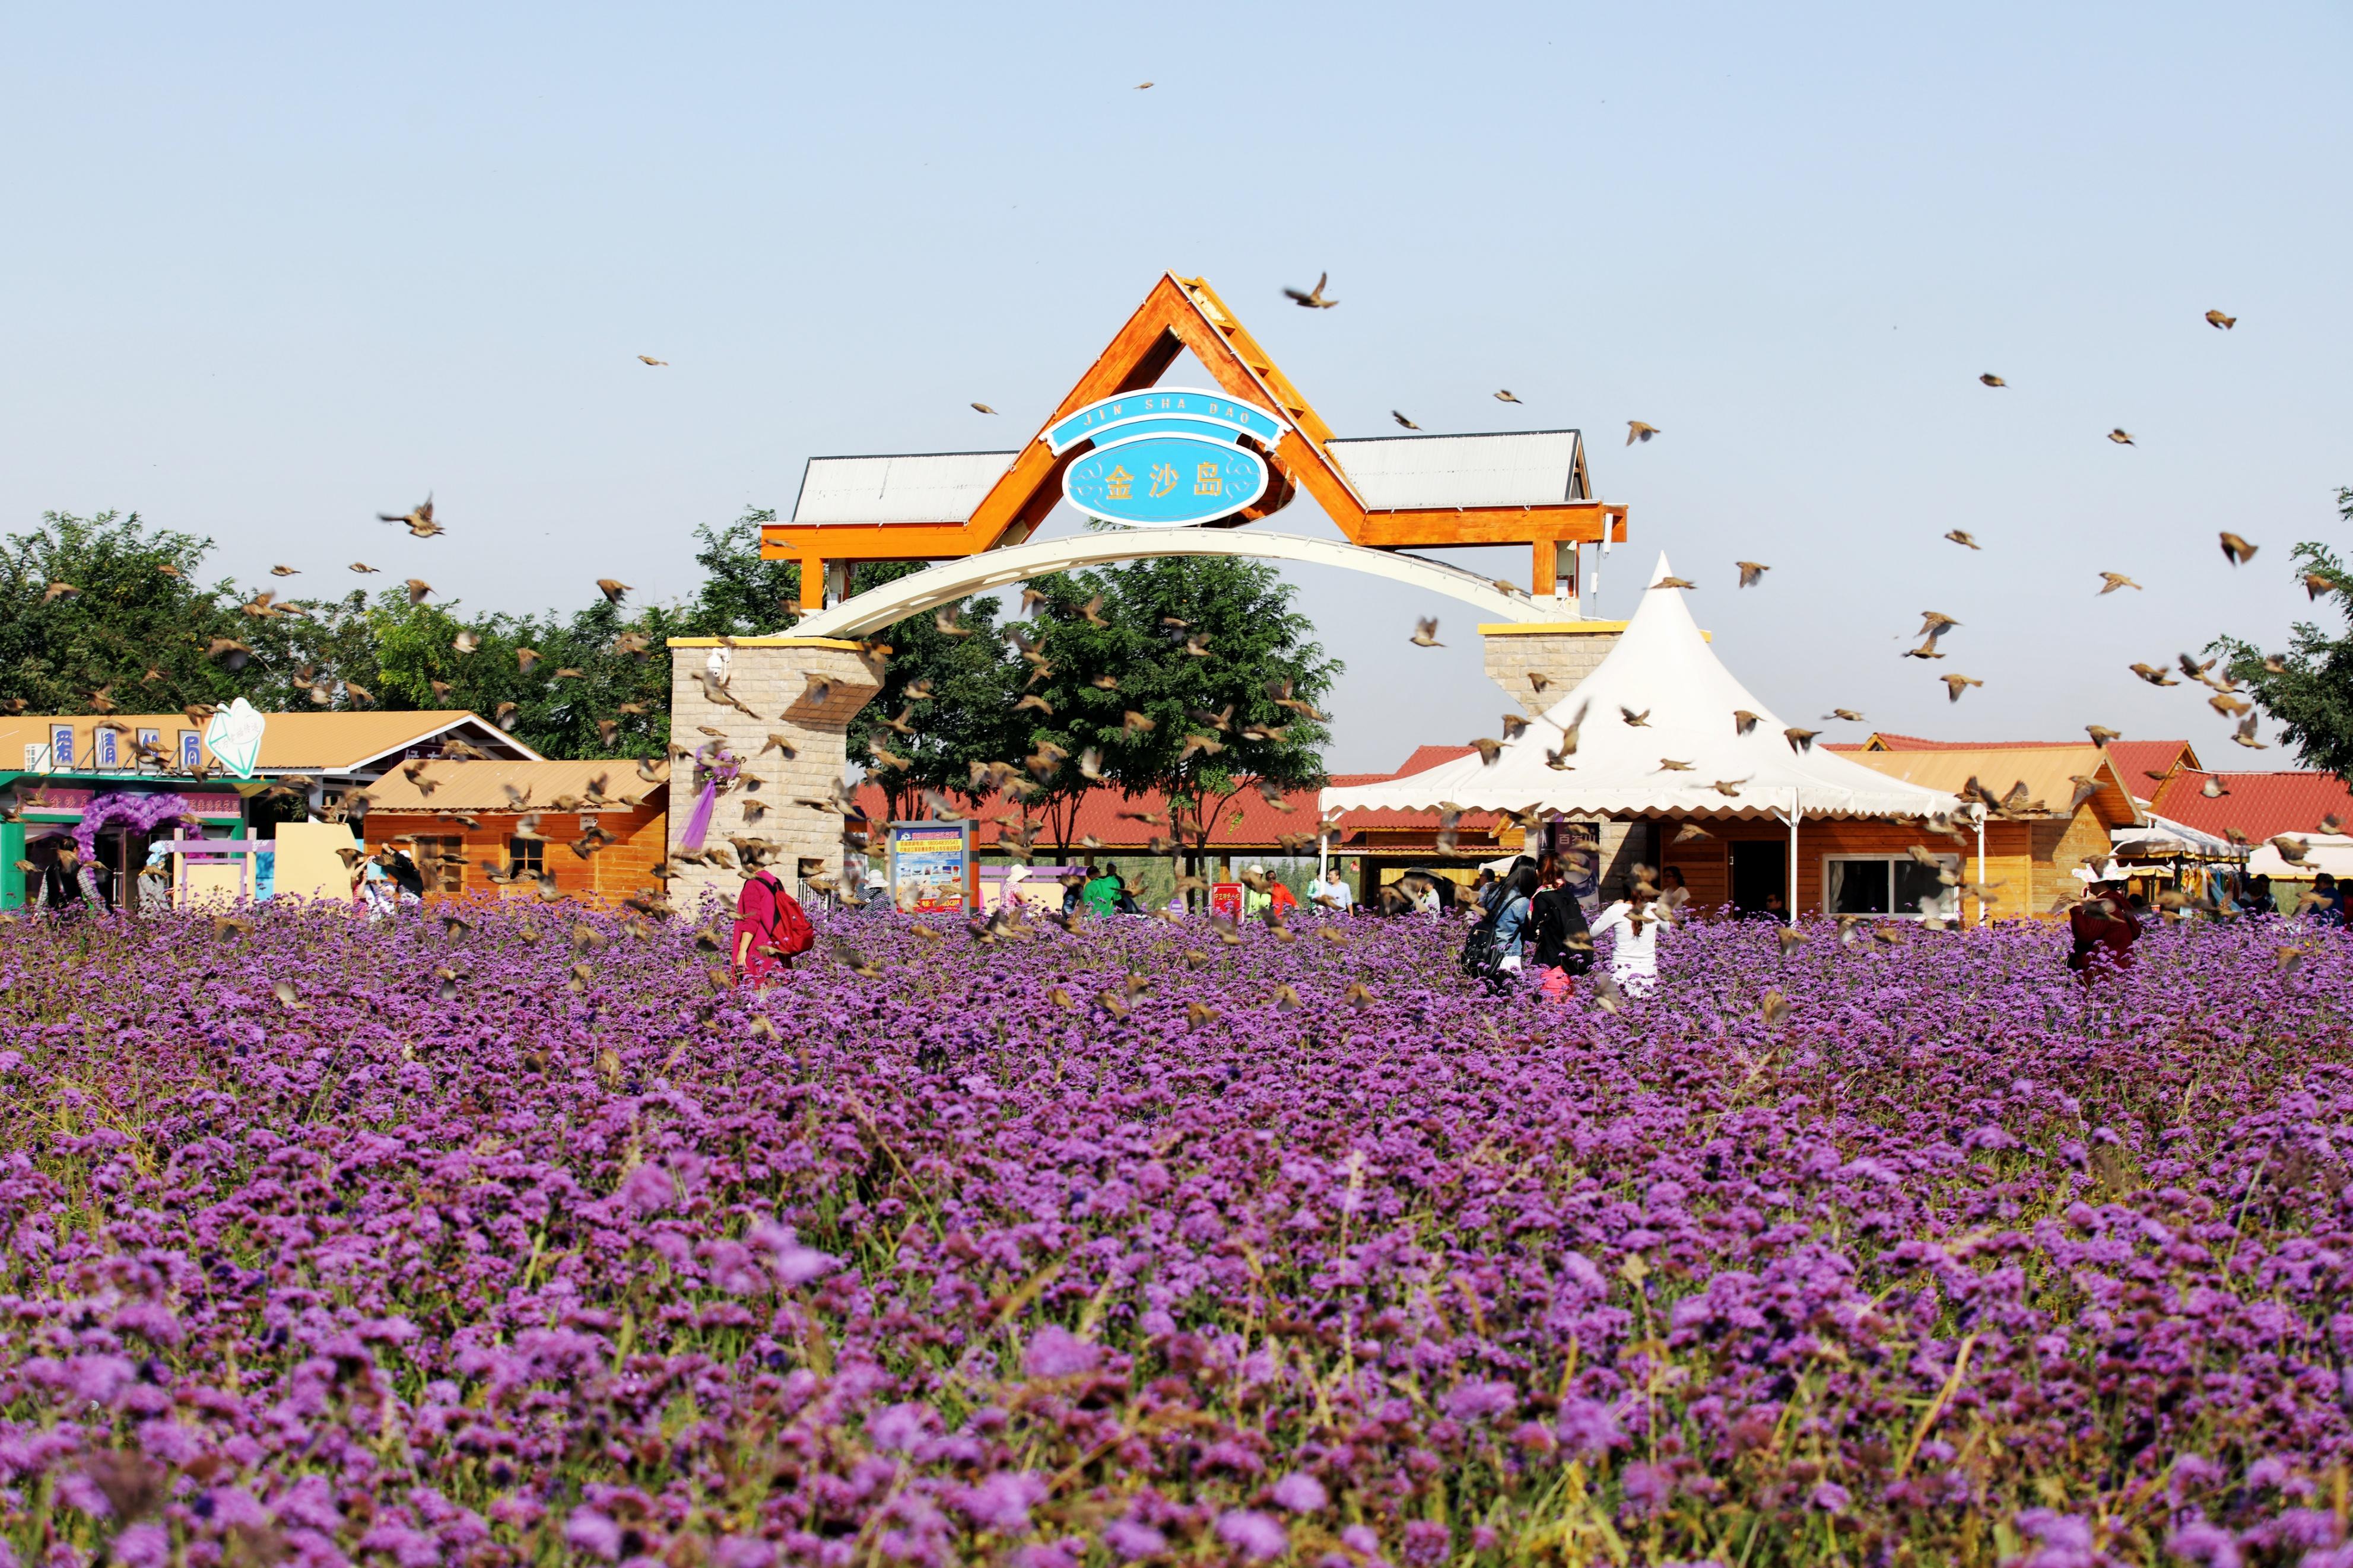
[
  {"x": 1632, "y": 921},
  {"x": 1673, "y": 897},
  {"x": 1327, "y": 892}
]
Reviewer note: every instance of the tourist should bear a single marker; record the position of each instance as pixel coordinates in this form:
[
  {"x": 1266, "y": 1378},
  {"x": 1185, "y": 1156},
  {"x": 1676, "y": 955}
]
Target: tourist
[
  {"x": 770, "y": 929},
  {"x": 2104, "y": 932},
  {"x": 1280, "y": 898},
  {"x": 2259, "y": 895},
  {"x": 1559, "y": 943},
  {"x": 1100, "y": 893},
  {"x": 1673, "y": 897},
  {"x": 408, "y": 882},
  {"x": 1513, "y": 898},
  {"x": 2327, "y": 901},
  {"x": 1634, "y": 961},
  {"x": 1328, "y": 890},
  {"x": 1127, "y": 903},
  {"x": 1482, "y": 890},
  {"x": 1074, "y": 887},
  {"x": 1256, "y": 899}
]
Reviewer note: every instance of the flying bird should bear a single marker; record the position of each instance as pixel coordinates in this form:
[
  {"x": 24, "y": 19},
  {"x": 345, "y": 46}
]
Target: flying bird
[
  {"x": 2317, "y": 584},
  {"x": 2154, "y": 675},
  {"x": 362, "y": 568},
  {"x": 1956, "y": 684},
  {"x": 1961, "y": 537},
  {"x": 1668, "y": 765},
  {"x": 1849, "y": 714},
  {"x": 1313, "y": 299},
  {"x": 418, "y": 589},
  {"x": 983, "y": 409},
  {"x": 2236, "y": 549},
  {"x": 1675, "y": 583},
  {"x": 2221, "y": 322},
  {"x": 2101, "y": 734},
  {"x": 650, "y": 359},
  {"x": 612, "y": 588},
  {"x": 419, "y": 520},
  {"x": 1488, "y": 750},
  {"x": 1742, "y": 720},
  {"x": 1800, "y": 740},
  {"x": 285, "y": 572},
  {"x": 1935, "y": 624},
  {"x": 1425, "y": 633},
  {"x": 2119, "y": 436},
  {"x": 2112, "y": 581},
  {"x": 1993, "y": 380},
  {"x": 1751, "y": 573},
  {"x": 1638, "y": 720},
  {"x": 1506, "y": 396},
  {"x": 1403, "y": 420},
  {"x": 1142, "y": 85},
  {"x": 57, "y": 591},
  {"x": 1638, "y": 431}
]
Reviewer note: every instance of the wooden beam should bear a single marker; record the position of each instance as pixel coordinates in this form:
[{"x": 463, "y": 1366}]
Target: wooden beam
[{"x": 1436, "y": 528}]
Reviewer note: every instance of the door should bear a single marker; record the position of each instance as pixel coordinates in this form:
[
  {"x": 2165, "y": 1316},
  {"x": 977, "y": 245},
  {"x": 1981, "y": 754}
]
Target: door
[{"x": 1761, "y": 877}]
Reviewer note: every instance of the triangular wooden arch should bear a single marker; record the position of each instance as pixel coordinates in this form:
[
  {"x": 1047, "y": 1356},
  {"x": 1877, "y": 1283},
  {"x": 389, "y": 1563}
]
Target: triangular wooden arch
[{"x": 1182, "y": 313}]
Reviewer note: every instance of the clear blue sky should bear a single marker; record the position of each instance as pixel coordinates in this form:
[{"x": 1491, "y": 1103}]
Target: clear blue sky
[{"x": 271, "y": 268}]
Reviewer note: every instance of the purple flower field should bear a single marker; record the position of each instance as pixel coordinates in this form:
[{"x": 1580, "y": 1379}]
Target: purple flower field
[{"x": 472, "y": 1255}]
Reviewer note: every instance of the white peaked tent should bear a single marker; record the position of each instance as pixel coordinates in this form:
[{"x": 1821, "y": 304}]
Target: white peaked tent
[{"x": 1662, "y": 666}]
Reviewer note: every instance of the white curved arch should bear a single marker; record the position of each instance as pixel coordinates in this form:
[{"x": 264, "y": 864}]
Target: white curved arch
[{"x": 952, "y": 580}]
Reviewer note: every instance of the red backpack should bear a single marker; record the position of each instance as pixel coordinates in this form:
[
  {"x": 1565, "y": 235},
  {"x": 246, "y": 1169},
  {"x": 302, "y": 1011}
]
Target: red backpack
[{"x": 793, "y": 932}]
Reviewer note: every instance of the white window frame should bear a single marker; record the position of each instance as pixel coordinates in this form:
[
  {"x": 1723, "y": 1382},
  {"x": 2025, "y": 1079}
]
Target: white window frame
[{"x": 1952, "y": 896}]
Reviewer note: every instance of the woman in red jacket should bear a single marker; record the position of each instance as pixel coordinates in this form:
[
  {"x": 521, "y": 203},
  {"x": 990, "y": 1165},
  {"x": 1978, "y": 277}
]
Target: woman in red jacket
[
  {"x": 2104, "y": 928},
  {"x": 770, "y": 927}
]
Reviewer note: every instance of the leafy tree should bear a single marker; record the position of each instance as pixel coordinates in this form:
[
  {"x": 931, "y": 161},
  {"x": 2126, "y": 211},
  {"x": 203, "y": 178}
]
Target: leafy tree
[
  {"x": 136, "y": 626},
  {"x": 2308, "y": 691},
  {"x": 1203, "y": 649},
  {"x": 968, "y": 717}
]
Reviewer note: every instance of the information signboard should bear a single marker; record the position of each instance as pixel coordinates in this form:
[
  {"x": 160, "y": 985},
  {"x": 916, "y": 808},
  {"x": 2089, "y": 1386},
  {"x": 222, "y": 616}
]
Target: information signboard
[
  {"x": 1226, "y": 899},
  {"x": 931, "y": 867}
]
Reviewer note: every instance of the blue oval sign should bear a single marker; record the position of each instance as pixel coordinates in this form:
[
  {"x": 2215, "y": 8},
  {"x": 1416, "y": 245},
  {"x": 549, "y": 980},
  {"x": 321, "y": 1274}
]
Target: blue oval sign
[
  {"x": 1166, "y": 481},
  {"x": 1165, "y": 458}
]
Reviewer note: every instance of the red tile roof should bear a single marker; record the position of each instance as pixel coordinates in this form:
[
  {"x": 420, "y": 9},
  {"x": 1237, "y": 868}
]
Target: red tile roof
[
  {"x": 2258, "y": 805},
  {"x": 2141, "y": 763},
  {"x": 1245, "y": 821}
]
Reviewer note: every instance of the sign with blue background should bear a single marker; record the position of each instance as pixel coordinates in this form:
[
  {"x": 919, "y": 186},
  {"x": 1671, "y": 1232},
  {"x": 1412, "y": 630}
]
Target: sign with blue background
[{"x": 1166, "y": 458}]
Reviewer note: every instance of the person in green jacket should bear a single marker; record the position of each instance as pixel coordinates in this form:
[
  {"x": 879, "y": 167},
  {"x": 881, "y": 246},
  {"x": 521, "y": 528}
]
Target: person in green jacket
[{"x": 1100, "y": 894}]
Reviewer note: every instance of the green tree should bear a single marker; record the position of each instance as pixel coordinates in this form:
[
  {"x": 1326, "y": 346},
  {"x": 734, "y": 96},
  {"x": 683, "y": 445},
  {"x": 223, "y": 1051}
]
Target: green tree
[
  {"x": 969, "y": 716},
  {"x": 2308, "y": 691},
  {"x": 1205, "y": 651},
  {"x": 135, "y": 624}
]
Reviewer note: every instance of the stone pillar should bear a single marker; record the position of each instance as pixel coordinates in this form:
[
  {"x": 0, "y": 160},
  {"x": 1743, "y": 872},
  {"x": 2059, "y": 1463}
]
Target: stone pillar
[
  {"x": 1563, "y": 652},
  {"x": 803, "y": 690}
]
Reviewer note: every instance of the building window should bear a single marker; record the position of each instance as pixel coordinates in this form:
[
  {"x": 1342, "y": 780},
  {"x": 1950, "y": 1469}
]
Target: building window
[
  {"x": 1895, "y": 885},
  {"x": 526, "y": 857},
  {"x": 441, "y": 862}
]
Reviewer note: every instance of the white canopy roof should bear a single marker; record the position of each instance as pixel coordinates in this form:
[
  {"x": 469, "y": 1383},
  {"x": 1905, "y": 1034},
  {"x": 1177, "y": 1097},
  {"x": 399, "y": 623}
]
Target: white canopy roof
[{"x": 1663, "y": 666}]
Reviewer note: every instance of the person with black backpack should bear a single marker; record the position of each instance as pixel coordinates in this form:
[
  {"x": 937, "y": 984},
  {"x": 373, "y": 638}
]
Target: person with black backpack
[
  {"x": 1560, "y": 941},
  {"x": 1494, "y": 948}
]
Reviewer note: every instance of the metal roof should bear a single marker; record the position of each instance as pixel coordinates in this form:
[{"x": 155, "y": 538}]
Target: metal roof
[
  {"x": 330, "y": 742},
  {"x": 480, "y": 787},
  {"x": 1535, "y": 468},
  {"x": 931, "y": 487},
  {"x": 2048, "y": 773}
]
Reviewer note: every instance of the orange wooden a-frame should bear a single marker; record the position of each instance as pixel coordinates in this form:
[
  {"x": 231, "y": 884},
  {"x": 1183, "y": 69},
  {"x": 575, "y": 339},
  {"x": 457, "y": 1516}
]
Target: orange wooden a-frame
[{"x": 1183, "y": 313}]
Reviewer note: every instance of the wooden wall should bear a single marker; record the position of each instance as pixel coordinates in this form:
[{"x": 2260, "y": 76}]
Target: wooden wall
[
  {"x": 622, "y": 868},
  {"x": 2033, "y": 861}
]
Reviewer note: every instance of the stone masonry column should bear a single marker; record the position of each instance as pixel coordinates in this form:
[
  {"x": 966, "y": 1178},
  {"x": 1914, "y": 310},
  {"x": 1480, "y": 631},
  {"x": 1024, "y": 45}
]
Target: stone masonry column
[
  {"x": 804, "y": 690},
  {"x": 1563, "y": 652}
]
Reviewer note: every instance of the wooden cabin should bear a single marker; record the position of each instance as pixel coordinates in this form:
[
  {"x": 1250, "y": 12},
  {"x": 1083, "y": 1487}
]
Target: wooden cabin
[{"x": 598, "y": 828}]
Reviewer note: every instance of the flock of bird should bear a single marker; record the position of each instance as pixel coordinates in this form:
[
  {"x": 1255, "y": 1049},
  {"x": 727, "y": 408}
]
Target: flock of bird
[{"x": 2226, "y": 699}]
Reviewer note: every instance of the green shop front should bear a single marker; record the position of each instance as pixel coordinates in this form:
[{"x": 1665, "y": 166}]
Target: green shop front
[{"x": 58, "y": 820}]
